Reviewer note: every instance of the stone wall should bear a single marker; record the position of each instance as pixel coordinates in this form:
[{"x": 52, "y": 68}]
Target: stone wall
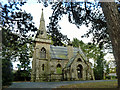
[
  {"x": 53, "y": 65},
  {"x": 56, "y": 77}
]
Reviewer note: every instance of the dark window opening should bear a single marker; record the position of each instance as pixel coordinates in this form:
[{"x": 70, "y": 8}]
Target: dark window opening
[
  {"x": 41, "y": 32},
  {"x": 43, "y": 53},
  {"x": 43, "y": 67},
  {"x": 79, "y": 60},
  {"x": 79, "y": 71}
]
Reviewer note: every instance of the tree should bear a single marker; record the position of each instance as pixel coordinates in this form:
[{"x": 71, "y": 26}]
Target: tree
[
  {"x": 7, "y": 68},
  {"x": 14, "y": 38},
  {"x": 99, "y": 67},
  {"x": 80, "y": 13},
  {"x": 112, "y": 15},
  {"x": 8, "y": 54},
  {"x": 93, "y": 52},
  {"x": 13, "y": 15},
  {"x": 105, "y": 27},
  {"x": 24, "y": 59},
  {"x": 58, "y": 39},
  {"x": 90, "y": 50}
]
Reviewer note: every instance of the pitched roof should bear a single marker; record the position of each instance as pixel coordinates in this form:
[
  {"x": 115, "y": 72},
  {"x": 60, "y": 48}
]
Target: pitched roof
[
  {"x": 70, "y": 61},
  {"x": 60, "y": 52},
  {"x": 81, "y": 53}
]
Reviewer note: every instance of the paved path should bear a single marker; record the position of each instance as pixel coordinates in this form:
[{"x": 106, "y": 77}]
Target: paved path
[{"x": 49, "y": 84}]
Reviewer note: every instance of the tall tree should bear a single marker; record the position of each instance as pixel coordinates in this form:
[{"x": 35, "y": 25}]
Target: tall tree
[
  {"x": 99, "y": 66},
  {"x": 58, "y": 39},
  {"x": 103, "y": 25},
  {"x": 97, "y": 54},
  {"x": 112, "y": 15},
  {"x": 25, "y": 55},
  {"x": 7, "y": 55},
  {"x": 14, "y": 38}
]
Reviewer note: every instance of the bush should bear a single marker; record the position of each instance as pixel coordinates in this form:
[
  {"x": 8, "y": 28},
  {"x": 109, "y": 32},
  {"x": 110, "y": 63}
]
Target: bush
[
  {"x": 7, "y": 75},
  {"x": 108, "y": 77},
  {"x": 22, "y": 75},
  {"x": 111, "y": 77}
]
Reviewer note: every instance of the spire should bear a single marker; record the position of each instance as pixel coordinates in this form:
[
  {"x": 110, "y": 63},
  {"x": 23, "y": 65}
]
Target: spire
[
  {"x": 42, "y": 16},
  {"x": 41, "y": 33}
]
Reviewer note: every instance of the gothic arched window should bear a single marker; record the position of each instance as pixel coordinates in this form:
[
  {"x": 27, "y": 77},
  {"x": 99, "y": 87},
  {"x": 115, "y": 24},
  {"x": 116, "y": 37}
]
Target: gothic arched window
[
  {"x": 59, "y": 69},
  {"x": 43, "y": 53}
]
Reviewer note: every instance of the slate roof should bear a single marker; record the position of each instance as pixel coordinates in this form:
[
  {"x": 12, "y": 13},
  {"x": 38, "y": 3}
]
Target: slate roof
[
  {"x": 60, "y": 52},
  {"x": 70, "y": 61}
]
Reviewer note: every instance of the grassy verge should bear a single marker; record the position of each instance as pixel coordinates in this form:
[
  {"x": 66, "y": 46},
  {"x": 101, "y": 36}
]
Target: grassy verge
[
  {"x": 21, "y": 81},
  {"x": 106, "y": 84}
]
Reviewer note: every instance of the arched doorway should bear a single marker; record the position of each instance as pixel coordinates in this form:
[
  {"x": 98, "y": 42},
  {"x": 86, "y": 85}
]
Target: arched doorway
[{"x": 79, "y": 71}]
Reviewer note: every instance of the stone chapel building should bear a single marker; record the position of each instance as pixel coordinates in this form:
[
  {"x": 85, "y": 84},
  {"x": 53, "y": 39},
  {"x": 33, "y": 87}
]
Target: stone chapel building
[{"x": 56, "y": 63}]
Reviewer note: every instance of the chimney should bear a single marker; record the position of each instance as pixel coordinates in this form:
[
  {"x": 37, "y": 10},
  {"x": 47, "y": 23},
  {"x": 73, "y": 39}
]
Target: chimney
[{"x": 70, "y": 50}]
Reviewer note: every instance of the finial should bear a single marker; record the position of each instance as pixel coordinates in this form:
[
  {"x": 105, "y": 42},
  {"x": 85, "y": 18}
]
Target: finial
[{"x": 42, "y": 17}]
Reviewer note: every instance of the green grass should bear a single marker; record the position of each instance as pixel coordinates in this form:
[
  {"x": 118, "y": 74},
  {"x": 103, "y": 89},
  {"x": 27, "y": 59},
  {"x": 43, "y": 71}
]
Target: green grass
[{"x": 106, "y": 84}]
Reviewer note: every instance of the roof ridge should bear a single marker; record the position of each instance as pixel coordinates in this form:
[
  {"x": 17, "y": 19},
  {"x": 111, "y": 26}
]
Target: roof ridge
[{"x": 70, "y": 61}]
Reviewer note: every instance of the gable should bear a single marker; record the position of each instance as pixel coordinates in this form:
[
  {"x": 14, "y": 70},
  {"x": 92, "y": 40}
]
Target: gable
[
  {"x": 76, "y": 50},
  {"x": 70, "y": 62},
  {"x": 73, "y": 59}
]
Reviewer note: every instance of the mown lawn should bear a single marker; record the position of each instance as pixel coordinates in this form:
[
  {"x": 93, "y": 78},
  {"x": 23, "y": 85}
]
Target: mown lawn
[{"x": 106, "y": 84}]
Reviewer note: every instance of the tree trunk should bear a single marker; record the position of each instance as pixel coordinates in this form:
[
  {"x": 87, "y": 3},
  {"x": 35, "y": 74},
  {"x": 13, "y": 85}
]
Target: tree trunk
[{"x": 112, "y": 16}]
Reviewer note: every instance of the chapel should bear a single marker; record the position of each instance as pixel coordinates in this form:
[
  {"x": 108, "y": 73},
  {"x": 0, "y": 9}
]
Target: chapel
[{"x": 58, "y": 63}]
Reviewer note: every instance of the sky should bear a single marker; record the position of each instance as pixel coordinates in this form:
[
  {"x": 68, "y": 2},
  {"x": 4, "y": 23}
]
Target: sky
[{"x": 66, "y": 28}]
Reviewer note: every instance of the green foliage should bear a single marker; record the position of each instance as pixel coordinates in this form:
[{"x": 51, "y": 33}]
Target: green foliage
[
  {"x": 79, "y": 13},
  {"x": 7, "y": 55},
  {"x": 97, "y": 54},
  {"x": 15, "y": 39},
  {"x": 99, "y": 66},
  {"x": 7, "y": 75},
  {"x": 24, "y": 56},
  {"x": 76, "y": 42},
  {"x": 106, "y": 66},
  {"x": 25, "y": 53},
  {"x": 112, "y": 70},
  {"x": 89, "y": 49},
  {"x": 22, "y": 75},
  {"x": 58, "y": 39},
  {"x": 90, "y": 13}
]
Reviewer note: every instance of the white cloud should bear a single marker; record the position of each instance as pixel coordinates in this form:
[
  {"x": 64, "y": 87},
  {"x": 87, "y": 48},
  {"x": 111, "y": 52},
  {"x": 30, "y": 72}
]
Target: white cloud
[{"x": 66, "y": 28}]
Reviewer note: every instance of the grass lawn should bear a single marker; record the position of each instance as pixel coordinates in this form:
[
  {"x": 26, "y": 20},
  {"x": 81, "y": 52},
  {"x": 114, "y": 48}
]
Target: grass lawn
[{"x": 106, "y": 84}]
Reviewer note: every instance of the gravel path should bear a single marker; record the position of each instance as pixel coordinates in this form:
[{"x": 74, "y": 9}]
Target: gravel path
[{"x": 49, "y": 84}]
